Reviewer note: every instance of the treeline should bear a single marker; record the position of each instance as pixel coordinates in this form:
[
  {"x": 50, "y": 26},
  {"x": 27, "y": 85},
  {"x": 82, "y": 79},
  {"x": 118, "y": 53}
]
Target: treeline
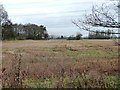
[
  {"x": 108, "y": 34},
  {"x": 78, "y": 36},
  {"x": 12, "y": 31}
]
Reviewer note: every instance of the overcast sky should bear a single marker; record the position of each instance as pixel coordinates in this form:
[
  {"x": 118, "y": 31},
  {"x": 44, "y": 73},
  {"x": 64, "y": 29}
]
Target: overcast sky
[{"x": 56, "y": 15}]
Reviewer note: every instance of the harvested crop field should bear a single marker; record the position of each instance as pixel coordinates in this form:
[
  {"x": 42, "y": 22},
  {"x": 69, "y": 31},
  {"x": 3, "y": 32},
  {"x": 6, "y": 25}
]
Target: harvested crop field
[{"x": 60, "y": 63}]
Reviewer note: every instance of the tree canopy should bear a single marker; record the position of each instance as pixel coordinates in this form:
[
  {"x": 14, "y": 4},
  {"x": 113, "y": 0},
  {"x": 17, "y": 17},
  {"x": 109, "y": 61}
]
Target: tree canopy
[{"x": 20, "y": 31}]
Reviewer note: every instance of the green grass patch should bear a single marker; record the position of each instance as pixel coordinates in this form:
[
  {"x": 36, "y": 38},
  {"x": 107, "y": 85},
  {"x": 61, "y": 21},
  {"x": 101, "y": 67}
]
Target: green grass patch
[
  {"x": 76, "y": 81},
  {"x": 91, "y": 53}
]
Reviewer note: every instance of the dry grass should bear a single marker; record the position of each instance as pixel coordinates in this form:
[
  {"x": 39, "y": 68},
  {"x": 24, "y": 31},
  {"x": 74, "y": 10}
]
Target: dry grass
[{"x": 58, "y": 59}]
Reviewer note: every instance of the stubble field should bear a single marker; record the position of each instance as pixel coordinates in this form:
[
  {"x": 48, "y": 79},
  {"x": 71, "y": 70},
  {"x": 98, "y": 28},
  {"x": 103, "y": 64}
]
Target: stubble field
[{"x": 60, "y": 63}]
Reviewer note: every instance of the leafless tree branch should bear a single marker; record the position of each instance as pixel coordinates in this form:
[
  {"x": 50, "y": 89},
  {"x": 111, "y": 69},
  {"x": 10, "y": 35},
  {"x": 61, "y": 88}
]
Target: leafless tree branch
[{"x": 99, "y": 17}]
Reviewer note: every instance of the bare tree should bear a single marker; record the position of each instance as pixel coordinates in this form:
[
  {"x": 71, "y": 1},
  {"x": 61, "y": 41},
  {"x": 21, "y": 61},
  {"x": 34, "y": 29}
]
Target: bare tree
[
  {"x": 105, "y": 16},
  {"x": 3, "y": 15}
]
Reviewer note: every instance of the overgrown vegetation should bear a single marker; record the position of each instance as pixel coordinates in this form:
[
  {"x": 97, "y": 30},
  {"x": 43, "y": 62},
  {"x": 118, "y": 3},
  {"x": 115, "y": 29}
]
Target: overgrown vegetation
[{"x": 57, "y": 64}]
